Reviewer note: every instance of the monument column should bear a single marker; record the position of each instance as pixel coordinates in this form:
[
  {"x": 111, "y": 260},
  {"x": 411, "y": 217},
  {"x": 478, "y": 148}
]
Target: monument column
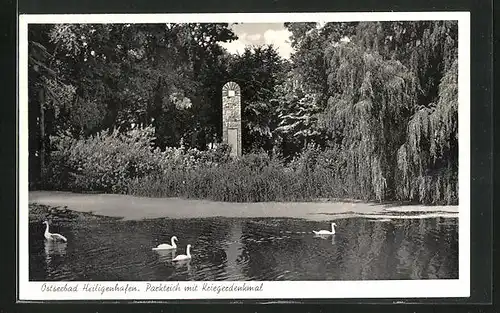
[{"x": 231, "y": 117}]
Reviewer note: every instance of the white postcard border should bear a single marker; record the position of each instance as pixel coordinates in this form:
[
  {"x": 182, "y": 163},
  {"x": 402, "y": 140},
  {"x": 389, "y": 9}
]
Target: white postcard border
[{"x": 269, "y": 289}]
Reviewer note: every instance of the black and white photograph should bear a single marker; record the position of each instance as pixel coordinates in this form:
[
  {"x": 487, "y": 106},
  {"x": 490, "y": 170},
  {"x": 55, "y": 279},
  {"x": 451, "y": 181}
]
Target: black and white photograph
[{"x": 233, "y": 156}]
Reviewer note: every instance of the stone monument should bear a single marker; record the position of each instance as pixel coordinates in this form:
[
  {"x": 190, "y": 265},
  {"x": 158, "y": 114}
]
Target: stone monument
[{"x": 231, "y": 117}]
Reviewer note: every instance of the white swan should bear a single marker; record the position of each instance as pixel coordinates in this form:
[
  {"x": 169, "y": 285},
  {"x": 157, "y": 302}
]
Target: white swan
[
  {"x": 326, "y": 232},
  {"x": 166, "y": 246},
  {"x": 182, "y": 257},
  {"x": 53, "y": 237}
]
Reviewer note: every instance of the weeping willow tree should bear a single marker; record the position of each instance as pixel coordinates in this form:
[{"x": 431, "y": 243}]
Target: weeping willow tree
[
  {"x": 367, "y": 116},
  {"x": 428, "y": 160},
  {"x": 390, "y": 106}
]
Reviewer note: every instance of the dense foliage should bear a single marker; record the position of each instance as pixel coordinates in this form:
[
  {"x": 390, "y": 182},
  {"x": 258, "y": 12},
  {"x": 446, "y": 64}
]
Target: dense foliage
[
  {"x": 387, "y": 101},
  {"x": 364, "y": 110},
  {"x": 109, "y": 161}
]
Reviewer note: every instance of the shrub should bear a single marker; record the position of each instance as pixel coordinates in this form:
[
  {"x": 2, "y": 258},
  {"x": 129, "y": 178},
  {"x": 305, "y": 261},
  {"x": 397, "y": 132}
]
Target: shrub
[
  {"x": 102, "y": 162},
  {"x": 111, "y": 161}
]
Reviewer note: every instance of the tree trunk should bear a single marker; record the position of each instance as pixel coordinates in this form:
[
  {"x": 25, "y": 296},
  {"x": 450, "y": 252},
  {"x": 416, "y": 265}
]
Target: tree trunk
[{"x": 41, "y": 100}]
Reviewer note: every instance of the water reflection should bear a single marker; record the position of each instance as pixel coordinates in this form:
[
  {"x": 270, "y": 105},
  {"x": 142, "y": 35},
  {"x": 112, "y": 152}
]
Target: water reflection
[
  {"x": 55, "y": 248},
  {"x": 54, "y": 253},
  {"x": 326, "y": 237},
  {"x": 165, "y": 255},
  {"x": 249, "y": 249}
]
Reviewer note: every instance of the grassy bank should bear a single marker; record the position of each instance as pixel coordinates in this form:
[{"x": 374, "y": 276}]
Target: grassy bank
[
  {"x": 60, "y": 214},
  {"x": 238, "y": 182}
]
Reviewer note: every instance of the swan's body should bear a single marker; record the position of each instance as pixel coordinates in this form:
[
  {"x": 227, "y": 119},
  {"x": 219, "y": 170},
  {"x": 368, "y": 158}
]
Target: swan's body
[
  {"x": 53, "y": 237},
  {"x": 182, "y": 257},
  {"x": 326, "y": 232},
  {"x": 166, "y": 246}
]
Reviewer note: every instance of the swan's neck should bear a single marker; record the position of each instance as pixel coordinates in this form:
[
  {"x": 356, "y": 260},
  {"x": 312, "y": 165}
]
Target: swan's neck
[
  {"x": 47, "y": 228},
  {"x": 173, "y": 242},
  {"x": 333, "y": 228},
  {"x": 188, "y": 253}
]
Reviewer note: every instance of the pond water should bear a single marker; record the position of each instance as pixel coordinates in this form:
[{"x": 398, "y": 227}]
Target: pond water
[{"x": 247, "y": 249}]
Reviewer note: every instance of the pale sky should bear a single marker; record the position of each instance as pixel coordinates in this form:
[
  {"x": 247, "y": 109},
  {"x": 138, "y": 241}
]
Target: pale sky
[{"x": 257, "y": 34}]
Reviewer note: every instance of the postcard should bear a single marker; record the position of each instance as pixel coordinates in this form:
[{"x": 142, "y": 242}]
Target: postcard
[{"x": 244, "y": 156}]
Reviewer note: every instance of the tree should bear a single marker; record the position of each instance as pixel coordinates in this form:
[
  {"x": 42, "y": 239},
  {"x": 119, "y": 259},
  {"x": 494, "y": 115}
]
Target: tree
[
  {"x": 380, "y": 86},
  {"x": 48, "y": 94},
  {"x": 310, "y": 41},
  {"x": 427, "y": 48},
  {"x": 258, "y": 71},
  {"x": 297, "y": 118},
  {"x": 368, "y": 115},
  {"x": 428, "y": 160},
  {"x": 85, "y": 78},
  {"x": 116, "y": 70},
  {"x": 198, "y": 58}
]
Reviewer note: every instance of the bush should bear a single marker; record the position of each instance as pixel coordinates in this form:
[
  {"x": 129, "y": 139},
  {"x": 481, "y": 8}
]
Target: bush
[
  {"x": 109, "y": 161},
  {"x": 103, "y": 162}
]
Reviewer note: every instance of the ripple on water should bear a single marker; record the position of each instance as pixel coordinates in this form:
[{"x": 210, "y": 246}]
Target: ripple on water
[{"x": 250, "y": 249}]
